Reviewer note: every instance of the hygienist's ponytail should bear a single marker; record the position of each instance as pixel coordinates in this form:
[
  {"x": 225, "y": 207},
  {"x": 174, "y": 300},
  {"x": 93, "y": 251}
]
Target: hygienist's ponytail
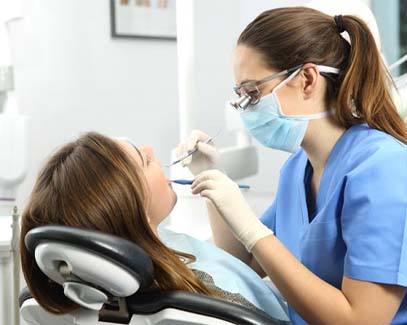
[
  {"x": 365, "y": 85},
  {"x": 361, "y": 93}
]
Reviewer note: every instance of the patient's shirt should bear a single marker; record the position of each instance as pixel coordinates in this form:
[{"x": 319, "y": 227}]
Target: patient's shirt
[
  {"x": 228, "y": 273},
  {"x": 236, "y": 298}
]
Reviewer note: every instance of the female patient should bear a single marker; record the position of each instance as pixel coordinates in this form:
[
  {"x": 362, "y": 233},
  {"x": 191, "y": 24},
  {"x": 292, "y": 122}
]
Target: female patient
[{"x": 111, "y": 186}]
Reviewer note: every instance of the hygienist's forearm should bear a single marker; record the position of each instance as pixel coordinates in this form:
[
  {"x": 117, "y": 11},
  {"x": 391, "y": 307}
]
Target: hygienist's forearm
[
  {"x": 223, "y": 237},
  {"x": 315, "y": 300}
]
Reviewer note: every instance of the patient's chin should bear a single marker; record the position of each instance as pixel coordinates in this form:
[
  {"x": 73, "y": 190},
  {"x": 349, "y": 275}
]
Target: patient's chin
[{"x": 174, "y": 200}]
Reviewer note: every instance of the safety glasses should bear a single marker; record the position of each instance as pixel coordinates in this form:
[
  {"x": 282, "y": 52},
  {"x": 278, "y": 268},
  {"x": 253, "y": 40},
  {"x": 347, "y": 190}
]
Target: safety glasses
[{"x": 249, "y": 92}]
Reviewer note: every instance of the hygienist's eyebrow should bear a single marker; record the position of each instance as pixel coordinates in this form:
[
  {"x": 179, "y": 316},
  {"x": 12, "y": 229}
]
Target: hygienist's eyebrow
[{"x": 246, "y": 81}]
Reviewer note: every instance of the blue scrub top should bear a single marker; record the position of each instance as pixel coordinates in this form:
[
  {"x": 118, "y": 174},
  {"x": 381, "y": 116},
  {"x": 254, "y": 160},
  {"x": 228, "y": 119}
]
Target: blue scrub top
[{"x": 358, "y": 228}]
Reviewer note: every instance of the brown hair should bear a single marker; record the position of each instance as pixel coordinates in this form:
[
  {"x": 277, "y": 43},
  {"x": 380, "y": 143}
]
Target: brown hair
[
  {"x": 92, "y": 183},
  {"x": 292, "y": 36}
]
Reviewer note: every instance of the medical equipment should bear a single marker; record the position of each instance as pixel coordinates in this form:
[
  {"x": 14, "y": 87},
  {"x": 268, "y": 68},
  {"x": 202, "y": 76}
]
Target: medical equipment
[
  {"x": 12, "y": 170},
  {"x": 189, "y": 182},
  {"x": 105, "y": 275},
  {"x": 249, "y": 92}
]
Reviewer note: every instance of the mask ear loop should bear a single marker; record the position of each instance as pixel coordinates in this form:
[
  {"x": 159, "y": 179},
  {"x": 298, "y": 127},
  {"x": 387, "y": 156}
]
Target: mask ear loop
[
  {"x": 281, "y": 84},
  {"x": 321, "y": 68}
]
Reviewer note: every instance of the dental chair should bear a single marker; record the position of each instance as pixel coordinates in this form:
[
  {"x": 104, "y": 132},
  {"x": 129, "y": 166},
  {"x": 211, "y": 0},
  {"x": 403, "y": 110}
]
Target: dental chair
[{"x": 107, "y": 277}]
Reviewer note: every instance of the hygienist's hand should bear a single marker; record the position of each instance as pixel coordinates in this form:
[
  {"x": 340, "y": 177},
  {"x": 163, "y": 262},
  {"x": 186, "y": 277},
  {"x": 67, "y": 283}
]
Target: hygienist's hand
[
  {"x": 206, "y": 156},
  {"x": 232, "y": 206}
]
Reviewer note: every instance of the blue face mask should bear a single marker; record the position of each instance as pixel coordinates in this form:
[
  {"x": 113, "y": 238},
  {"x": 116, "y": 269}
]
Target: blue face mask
[{"x": 267, "y": 123}]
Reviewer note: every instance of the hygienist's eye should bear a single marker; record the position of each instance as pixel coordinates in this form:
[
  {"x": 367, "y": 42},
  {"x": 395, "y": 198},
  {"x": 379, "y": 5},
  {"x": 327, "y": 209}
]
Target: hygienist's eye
[{"x": 248, "y": 88}]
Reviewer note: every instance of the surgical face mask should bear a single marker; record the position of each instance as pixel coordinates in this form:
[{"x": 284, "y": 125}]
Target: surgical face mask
[{"x": 271, "y": 127}]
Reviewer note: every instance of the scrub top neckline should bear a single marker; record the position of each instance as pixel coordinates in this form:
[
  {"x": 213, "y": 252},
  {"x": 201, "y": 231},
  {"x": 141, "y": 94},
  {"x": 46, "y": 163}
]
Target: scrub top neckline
[{"x": 319, "y": 198}]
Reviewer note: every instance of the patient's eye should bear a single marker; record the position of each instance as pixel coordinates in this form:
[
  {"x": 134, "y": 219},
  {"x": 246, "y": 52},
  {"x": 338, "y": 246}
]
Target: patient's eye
[
  {"x": 148, "y": 159},
  {"x": 145, "y": 157}
]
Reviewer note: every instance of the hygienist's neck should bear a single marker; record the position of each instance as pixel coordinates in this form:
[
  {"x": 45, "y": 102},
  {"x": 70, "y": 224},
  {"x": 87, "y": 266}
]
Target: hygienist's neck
[{"x": 319, "y": 140}]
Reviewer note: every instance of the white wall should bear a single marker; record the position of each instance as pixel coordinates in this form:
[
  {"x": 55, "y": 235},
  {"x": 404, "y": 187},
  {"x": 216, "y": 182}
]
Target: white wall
[{"x": 72, "y": 77}]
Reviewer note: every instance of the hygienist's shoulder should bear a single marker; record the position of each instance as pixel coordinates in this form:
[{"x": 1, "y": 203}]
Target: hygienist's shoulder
[
  {"x": 370, "y": 147},
  {"x": 360, "y": 146}
]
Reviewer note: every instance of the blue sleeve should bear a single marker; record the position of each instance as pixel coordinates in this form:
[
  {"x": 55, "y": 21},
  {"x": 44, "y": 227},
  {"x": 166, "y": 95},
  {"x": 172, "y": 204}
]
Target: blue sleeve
[
  {"x": 269, "y": 217},
  {"x": 374, "y": 219}
]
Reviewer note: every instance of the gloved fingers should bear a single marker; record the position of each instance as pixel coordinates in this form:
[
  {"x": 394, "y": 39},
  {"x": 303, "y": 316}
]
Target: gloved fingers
[
  {"x": 207, "y": 194},
  {"x": 200, "y": 179},
  {"x": 212, "y": 174},
  {"x": 208, "y": 150},
  {"x": 186, "y": 161},
  {"x": 194, "y": 138},
  {"x": 180, "y": 149},
  {"x": 205, "y": 185}
]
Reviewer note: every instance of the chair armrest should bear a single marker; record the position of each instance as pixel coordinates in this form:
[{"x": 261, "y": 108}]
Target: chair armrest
[{"x": 150, "y": 303}]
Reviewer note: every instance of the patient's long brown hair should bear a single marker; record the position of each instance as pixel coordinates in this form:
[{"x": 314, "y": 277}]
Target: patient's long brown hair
[
  {"x": 92, "y": 183},
  {"x": 292, "y": 36}
]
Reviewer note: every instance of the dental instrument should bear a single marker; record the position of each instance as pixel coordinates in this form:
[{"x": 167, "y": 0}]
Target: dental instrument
[
  {"x": 189, "y": 182},
  {"x": 191, "y": 152}
]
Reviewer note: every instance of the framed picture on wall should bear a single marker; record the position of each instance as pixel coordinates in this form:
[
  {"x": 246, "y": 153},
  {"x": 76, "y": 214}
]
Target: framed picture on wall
[{"x": 143, "y": 19}]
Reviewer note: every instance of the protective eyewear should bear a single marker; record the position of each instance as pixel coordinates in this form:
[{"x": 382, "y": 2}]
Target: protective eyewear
[{"x": 249, "y": 92}]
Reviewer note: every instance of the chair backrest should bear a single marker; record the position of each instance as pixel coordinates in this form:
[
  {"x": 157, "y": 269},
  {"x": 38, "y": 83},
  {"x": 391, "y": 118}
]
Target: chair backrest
[
  {"x": 90, "y": 266},
  {"x": 170, "y": 308},
  {"x": 103, "y": 273}
]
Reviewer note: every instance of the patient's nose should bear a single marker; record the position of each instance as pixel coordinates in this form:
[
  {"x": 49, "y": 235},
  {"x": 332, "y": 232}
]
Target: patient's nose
[{"x": 149, "y": 151}]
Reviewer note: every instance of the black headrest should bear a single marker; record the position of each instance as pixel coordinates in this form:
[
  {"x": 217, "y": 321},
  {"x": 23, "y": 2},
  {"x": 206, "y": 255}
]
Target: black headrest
[
  {"x": 24, "y": 295},
  {"x": 122, "y": 252}
]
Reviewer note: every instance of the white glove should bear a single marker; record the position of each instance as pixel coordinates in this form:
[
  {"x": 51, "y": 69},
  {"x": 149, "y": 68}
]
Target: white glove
[
  {"x": 232, "y": 206},
  {"x": 206, "y": 156}
]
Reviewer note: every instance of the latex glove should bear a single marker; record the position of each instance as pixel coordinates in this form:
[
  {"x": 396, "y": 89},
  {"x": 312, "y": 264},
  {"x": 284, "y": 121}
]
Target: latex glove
[
  {"x": 232, "y": 206},
  {"x": 205, "y": 158}
]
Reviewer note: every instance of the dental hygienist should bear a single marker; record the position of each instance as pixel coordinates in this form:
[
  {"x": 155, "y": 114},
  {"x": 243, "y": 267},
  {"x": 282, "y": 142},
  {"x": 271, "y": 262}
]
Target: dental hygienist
[{"x": 334, "y": 241}]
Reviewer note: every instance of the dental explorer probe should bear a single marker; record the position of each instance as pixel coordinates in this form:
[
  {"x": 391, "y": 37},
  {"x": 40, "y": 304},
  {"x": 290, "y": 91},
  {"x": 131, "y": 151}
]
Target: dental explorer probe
[{"x": 191, "y": 152}]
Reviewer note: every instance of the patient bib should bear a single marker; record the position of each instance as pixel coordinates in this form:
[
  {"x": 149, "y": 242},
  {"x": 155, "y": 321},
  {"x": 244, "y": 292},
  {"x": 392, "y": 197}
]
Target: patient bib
[{"x": 228, "y": 272}]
